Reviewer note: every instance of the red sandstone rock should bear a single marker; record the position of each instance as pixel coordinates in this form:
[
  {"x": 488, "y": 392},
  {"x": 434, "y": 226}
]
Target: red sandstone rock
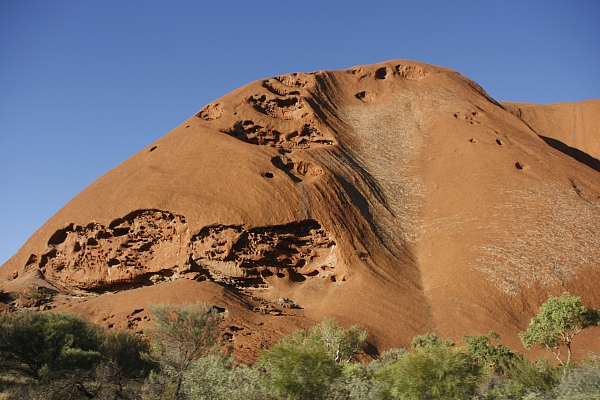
[{"x": 379, "y": 195}]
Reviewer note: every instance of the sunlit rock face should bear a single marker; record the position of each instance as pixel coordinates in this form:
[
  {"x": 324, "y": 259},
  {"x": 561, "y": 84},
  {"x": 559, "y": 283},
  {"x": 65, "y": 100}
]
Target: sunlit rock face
[{"x": 398, "y": 196}]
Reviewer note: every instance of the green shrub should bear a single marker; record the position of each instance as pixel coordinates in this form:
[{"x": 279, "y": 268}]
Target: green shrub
[
  {"x": 429, "y": 340},
  {"x": 39, "y": 345},
  {"x": 158, "y": 386},
  {"x": 526, "y": 376},
  {"x": 580, "y": 383},
  {"x": 124, "y": 350},
  {"x": 216, "y": 377},
  {"x": 387, "y": 358},
  {"x": 487, "y": 351},
  {"x": 341, "y": 344},
  {"x": 431, "y": 373},
  {"x": 182, "y": 334},
  {"x": 299, "y": 367},
  {"x": 103, "y": 381},
  {"x": 355, "y": 383}
]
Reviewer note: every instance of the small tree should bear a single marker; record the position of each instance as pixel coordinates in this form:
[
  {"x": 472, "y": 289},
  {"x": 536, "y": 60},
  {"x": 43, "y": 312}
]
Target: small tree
[
  {"x": 183, "y": 333},
  {"x": 559, "y": 320}
]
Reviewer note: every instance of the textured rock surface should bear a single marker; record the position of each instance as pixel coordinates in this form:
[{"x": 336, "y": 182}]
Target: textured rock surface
[
  {"x": 152, "y": 246},
  {"x": 397, "y": 196}
]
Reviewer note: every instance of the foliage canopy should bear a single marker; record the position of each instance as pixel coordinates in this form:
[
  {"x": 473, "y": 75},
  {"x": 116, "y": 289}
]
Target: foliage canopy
[
  {"x": 558, "y": 321},
  {"x": 40, "y": 345}
]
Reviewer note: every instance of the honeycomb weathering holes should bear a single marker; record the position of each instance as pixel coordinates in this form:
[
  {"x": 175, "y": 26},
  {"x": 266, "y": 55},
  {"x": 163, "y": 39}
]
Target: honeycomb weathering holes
[
  {"x": 293, "y": 245},
  {"x": 305, "y": 137},
  {"x": 287, "y": 107},
  {"x": 410, "y": 71},
  {"x": 276, "y": 87},
  {"x": 134, "y": 250},
  {"x": 292, "y": 80},
  {"x": 211, "y": 112}
]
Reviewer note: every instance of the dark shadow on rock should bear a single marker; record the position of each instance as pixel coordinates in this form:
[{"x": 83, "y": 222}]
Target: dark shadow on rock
[
  {"x": 371, "y": 350},
  {"x": 278, "y": 163},
  {"x": 358, "y": 199},
  {"x": 577, "y": 154}
]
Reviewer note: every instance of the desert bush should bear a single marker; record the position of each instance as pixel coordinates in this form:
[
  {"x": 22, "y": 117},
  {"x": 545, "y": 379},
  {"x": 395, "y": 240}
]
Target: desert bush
[
  {"x": 429, "y": 340},
  {"x": 299, "y": 367},
  {"x": 216, "y": 377},
  {"x": 341, "y": 344},
  {"x": 526, "y": 377},
  {"x": 61, "y": 356},
  {"x": 182, "y": 334},
  {"x": 124, "y": 350},
  {"x": 430, "y": 373},
  {"x": 387, "y": 358},
  {"x": 102, "y": 382},
  {"x": 487, "y": 351},
  {"x": 158, "y": 385},
  {"x": 307, "y": 363},
  {"x": 355, "y": 383},
  {"x": 579, "y": 383},
  {"x": 68, "y": 357},
  {"x": 41, "y": 345}
]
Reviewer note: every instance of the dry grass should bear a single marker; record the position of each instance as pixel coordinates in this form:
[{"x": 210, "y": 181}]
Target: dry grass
[
  {"x": 11, "y": 386},
  {"x": 563, "y": 238},
  {"x": 391, "y": 142}
]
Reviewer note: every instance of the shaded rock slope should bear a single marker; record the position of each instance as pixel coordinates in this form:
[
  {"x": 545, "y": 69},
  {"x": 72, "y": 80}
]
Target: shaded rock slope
[{"x": 397, "y": 196}]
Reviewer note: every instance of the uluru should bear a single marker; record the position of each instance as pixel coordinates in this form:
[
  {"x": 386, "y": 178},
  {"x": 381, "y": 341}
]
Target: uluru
[{"x": 397, "y": 196}]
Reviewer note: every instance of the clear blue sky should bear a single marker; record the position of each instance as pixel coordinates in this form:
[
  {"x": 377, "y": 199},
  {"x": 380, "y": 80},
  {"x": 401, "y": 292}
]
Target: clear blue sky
[{"x": 86, "y": 84}]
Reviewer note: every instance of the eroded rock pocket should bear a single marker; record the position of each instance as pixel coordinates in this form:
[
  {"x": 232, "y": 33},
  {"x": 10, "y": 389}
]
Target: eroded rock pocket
[
  {"x": 381, "y": 73},
  {"x": 131, "y": 250},
  {"x": 287, "y": 107},
  {"x": 211, "y": 112},
  {"x": 305, "y": 137},
  {"x": 235, "y": 254},
  {"x": 410, "y": 71},
  {"x": 151, "y": 246}
]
